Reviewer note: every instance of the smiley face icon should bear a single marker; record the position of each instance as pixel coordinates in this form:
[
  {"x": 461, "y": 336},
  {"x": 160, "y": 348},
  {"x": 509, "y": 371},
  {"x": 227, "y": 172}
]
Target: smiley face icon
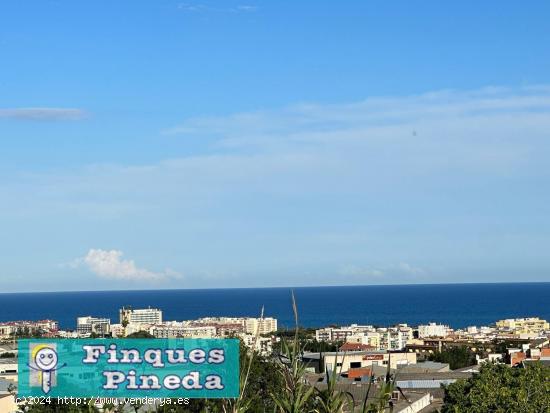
[{"x": 46, "y": 359}]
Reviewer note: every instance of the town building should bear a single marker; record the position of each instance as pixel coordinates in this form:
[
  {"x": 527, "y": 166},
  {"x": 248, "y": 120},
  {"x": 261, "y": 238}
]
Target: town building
[
  {"x": 140, "y": 316},
  {"x": 263, "y": 345},
  {"x": 429, "y": 380},
  {"x": 47, "y": 328},
  {"x": 265, "y": 325},
  {"x": 8, "y": 368},
  {"x": 174, "y": 329},
  {"x": 249, "y": 325},
  {"x": 433, "y": 330},
  {"x": 92, "y": 325},
  {"x": 333, "y": 334},
  {"x": 386, "y": 338},
  {"x": 527, "y": 326},
  {"x": 343, "y": 362}
]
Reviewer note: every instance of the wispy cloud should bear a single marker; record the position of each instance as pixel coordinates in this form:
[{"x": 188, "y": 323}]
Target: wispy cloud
[
  {"x": 376, "y": 112},
  {"x": 358, "y": 271},
  {"x": 43, "y": 114},
  {"x": 433, "y": 180},
  {"x": 386, "y": 271},
  {"x": 109, "y": 264},
  {"x": 197, "y": 7}
]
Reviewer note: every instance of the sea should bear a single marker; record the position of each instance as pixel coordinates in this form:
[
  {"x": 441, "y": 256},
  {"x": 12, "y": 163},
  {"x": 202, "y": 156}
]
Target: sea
[{"x": 457, "y": 305}]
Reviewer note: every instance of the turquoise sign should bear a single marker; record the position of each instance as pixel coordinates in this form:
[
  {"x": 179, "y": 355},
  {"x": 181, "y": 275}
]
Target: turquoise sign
[{"x": 190, "y": 368}]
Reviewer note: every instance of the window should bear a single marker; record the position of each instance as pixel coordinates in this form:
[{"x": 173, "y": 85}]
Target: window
[{"x": 355, "y": 364}]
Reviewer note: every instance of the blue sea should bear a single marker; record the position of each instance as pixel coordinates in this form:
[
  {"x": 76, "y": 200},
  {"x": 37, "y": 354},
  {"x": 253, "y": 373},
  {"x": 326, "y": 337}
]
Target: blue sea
[{"x": 458, "y": 305}]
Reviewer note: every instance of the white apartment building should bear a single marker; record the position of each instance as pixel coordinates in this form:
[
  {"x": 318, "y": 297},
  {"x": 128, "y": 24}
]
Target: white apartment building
[
  {"x": 395, "y": 338},
  {"x": 369, "y": 338},
  {"x": 334, "y": 334},
  {"x": 10, "y": 328},
  {"x": 262, "y": 325},
  {"x": 6, "y": 330},
  {"x": 67, "y": 334},
  {"x": 433, "y": 330},
  {"x": 392, "y": 338},
  {"x": 360, "y": 359},
  {"x": 88, "y": 325},
  {"x": 250, "y": 325},
  {"x": 117, "y": 330},
  {"x": 140, "y": 316},
  {"x": 531, "y": 325},
  {"x": 174, "y": 330},
  {"x": 263, "y": 345}
]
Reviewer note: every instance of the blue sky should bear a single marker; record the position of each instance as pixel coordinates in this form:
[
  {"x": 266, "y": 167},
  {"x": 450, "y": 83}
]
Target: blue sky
[{"x": 189, "y": 144}]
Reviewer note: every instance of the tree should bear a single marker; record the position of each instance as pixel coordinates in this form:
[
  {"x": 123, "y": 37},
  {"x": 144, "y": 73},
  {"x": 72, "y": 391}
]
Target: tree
[
  {"x": 140, "y": 334},
  {"x": 7, "y": 355},
  {"x": 456, "y": 357},
  {"x": 501, "y": 389}
]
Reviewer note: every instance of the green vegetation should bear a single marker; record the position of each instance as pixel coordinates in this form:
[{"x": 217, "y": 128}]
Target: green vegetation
[
  {"x": 306, "y": 340},
  {"x": 26, "y": 332},
  {"x": 294, "y": 395},
  {"x": 501, "y": 389},
  {"x": 456, "y": 357},
  {"x": 140, "y": 334},
  {"x": 7, "y": 355}
]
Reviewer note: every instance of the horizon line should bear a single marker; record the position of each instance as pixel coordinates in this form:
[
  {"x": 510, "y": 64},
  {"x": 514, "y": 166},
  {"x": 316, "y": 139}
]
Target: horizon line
[{"x": 275, "y": 287}]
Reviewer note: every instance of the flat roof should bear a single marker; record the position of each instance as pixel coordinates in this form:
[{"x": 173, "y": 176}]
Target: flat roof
[{"x": 433, "y": 376}]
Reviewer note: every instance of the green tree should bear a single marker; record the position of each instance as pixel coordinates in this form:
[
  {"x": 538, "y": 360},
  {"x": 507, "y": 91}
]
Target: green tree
[
  {"x": 7, "y": 355},
  {"x": 456, "y": 357},
  {"x": 499, "y": 388},
  {"x": 140, "y": 334}
]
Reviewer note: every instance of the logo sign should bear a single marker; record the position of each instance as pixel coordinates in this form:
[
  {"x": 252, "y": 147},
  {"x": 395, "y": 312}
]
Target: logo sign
[{"x": 204, "y": 368}]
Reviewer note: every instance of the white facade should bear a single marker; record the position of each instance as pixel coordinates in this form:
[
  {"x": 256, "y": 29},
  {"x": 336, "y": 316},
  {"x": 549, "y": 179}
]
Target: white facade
[
  {"x": 391, "y": 338},
  {"x": 89, "y": 325},
  {"x": 8, "y": 329},
  {"x": 181, "y": 330},
  {"x": 263, "y": 345},
  {"x": 360, "y": 359},
  {"x": 333, "y": 334},
  {"x": 141, "y": 316},
  {"x": 433, "y": 330},
  {"x": 250, "y": 325},
  {"x": 261, "y": 325}
]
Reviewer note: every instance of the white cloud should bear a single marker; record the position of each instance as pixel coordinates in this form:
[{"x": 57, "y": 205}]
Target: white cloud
[
  {"x": 357, "y": 271},
  {"x": 372, "y": 182},
  {"x": 42, "y": 114},
  {"x": 409, "y": 269},
  {"x": 387, "y": 271},
  {"x": 393, "y": 149},
  {"x": 110, "y": 264},
  {"x": 309, "y": 120}
]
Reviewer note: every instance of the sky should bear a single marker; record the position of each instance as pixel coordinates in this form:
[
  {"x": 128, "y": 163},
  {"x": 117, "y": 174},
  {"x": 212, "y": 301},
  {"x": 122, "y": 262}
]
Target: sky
[{"x": 212, "y": 144}]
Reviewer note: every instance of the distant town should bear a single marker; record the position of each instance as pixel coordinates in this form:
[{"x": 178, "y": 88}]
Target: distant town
[{"x": 426, "y": 356}]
